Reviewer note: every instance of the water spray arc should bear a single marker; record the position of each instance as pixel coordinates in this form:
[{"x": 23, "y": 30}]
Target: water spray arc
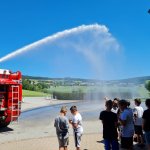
[{"x": 54, "y": 37}]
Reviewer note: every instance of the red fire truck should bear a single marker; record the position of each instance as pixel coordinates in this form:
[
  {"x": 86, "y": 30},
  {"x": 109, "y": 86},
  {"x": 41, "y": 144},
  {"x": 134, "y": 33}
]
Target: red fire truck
[{"x": 10, "y": 96}]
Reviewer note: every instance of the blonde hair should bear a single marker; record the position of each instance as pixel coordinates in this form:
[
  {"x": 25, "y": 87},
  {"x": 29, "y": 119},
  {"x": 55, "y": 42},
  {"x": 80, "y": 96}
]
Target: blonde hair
[{"x": 63, "y": 109}]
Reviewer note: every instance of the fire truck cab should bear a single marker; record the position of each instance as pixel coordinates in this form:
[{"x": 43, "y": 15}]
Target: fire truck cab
[{"x": 10, "y": 96}]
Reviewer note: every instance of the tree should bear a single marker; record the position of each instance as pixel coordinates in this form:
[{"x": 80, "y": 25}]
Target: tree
[
  {"x": 147, "y": 85},
  {"x": 26, "y": 84}
]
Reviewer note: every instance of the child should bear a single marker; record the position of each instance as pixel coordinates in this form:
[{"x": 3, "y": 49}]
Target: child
[
  {"x": 146, "y": 123},
  {"x": 109, "y": 120},
  {"x": 62, "y": 125}
]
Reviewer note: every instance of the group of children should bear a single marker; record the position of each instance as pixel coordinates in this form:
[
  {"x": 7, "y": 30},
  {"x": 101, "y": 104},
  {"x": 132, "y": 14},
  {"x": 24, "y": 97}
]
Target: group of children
[
  {"x": 62, "y": 126},
  {"x": 120, "y": 122}
]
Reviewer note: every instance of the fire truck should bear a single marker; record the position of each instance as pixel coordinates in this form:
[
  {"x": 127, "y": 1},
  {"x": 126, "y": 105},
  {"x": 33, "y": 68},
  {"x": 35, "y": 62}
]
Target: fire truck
[{"x": 10, "y": 96}]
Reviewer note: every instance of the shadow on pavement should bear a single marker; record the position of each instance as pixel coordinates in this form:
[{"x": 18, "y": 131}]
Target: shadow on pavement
[
  {"x": 102, "y": 141},
  {"x": 6, "y": 129}
]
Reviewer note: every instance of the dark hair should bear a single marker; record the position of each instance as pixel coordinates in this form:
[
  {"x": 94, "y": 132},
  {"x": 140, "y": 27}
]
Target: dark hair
[
  {"x": 116, "y": 99},
  {"x": 109, "y": 103},
  {"x": 73, "y": 108},
  {"x": 138, "y": 101},
  {"x": 123, "y": 103},
  {"x": 147, "y": 103},
  {"x": 128, "y": 103}
]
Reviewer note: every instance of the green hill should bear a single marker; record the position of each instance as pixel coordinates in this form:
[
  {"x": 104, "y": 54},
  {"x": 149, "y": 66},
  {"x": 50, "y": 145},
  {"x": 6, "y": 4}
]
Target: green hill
[{"x": 136, "y": 80}]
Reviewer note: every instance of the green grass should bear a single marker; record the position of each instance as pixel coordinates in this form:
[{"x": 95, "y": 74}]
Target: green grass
[{"x": 27, "y": 93}]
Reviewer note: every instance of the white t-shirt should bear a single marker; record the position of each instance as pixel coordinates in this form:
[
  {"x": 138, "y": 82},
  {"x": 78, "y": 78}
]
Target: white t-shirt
[
  {"x": 115, "y": 110},
  {"x": 138, "y": 111},
  {"x": 78, "y": 119},
  {"x": 128, "y": 129}
]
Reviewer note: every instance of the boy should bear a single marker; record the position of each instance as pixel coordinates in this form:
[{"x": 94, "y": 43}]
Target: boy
[
  {"x": 126, "y": 121},
  {"x": 138, "y": 113},
  {"x": 76, "y": 123},
  {"x": 62, "y": 125},
  {"x": 109, "y": 120},
  {"x": 146, "y": 123}
]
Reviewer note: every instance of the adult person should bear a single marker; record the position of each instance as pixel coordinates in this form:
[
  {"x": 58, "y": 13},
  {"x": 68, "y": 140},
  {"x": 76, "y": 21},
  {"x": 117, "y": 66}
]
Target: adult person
[
  {"x": 62, "y": 125},
  {"x": 138, "y": 113},
  {"x": 146, "y": 123},
  {"x": 109, "y": 120},
  {"x": 126, "y": 121},
  {"x": 76, "y": 123}
]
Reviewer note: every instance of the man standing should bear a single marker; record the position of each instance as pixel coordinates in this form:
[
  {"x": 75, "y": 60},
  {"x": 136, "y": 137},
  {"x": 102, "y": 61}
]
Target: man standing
[
  {"x": 76, "y": 123},
  {"x": 62, "y": 125},
  {"x": 109, "y": 120}
]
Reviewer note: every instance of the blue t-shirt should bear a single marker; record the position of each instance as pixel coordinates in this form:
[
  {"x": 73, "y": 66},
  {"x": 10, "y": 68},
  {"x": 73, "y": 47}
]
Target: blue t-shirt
[{"x": 128, "y": 129}]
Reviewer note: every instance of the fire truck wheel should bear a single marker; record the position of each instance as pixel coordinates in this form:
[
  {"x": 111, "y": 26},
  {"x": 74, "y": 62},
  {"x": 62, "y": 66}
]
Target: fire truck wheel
[{"x": 4, "y": 124}]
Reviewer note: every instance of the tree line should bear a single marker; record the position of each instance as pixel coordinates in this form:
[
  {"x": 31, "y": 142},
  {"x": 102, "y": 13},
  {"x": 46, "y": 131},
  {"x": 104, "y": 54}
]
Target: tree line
[{"x": 35, "y": 86}]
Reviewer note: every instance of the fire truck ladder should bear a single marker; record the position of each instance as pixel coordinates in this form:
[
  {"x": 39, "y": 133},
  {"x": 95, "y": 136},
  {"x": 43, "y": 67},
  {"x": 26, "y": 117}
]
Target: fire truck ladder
[{"x": 16, "y": 104}]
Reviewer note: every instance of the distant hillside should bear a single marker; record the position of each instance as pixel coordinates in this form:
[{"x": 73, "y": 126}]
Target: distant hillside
[
  {"x": 136, "y": 80},
  {"x": 66, "y": 78}
]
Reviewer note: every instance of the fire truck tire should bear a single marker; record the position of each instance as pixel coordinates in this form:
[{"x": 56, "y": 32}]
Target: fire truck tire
[{"x": 4, "y": 124}]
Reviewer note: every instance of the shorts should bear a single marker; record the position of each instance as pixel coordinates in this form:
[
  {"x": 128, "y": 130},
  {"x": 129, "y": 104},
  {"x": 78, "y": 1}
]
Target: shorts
[
  {"x": 63, "y": 140},
  {"x": 138, "y": 130},
  {"x": 126, "y": 142},
  {"x": 147, "y": 137},
  {"x": 77, "y": 138}
]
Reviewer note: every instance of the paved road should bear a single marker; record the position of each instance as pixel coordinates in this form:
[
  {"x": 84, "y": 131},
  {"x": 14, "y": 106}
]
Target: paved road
[{"x": 39, "y": 122}]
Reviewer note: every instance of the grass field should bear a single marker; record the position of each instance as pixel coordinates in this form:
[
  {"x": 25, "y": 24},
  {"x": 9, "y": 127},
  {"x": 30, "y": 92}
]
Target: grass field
[{"x": 27, "y": 93}]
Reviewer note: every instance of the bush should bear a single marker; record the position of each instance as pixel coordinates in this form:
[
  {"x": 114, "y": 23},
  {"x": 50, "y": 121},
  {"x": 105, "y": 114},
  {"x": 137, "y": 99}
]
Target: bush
[
  {"x": 76, "y": 95},
  {"x": 69, "y": 96},
  {"x": 147, "y": 85}
]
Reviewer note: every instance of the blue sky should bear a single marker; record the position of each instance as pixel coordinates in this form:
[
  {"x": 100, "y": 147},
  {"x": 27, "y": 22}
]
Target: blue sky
[{"x": 24, "y": 22}]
